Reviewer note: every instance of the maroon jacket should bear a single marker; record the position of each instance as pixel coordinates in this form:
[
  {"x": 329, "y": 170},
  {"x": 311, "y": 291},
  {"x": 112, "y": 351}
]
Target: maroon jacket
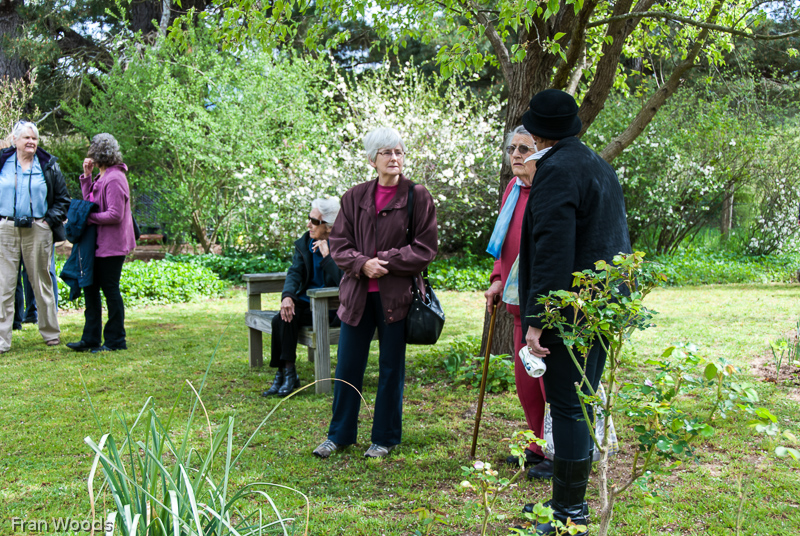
[{"x": 359, "y": 233}]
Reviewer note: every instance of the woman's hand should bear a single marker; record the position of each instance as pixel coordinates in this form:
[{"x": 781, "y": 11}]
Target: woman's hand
[
  {"x": 322, "y": 247},
  {"x": 88, "y": 167},
  {"x": 287, "y": 309},
  {"x": 493, "y": 295},
  {"x": 374, "y": 269},
  {"x": 532, "y": 339}
]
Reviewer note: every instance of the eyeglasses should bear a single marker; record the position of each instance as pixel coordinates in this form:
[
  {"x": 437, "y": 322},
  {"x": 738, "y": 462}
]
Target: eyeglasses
[
  {"x": 315, "y": 221},
  {"x": 523, "y": 149},
  {"x": 396, "y": 152}
]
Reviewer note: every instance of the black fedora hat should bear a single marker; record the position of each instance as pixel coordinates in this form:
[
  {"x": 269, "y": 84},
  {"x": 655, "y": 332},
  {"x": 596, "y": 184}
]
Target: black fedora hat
[{"x": 553, "y": 115}]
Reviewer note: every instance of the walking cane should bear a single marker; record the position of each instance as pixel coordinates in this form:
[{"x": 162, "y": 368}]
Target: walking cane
[{"x": 483, "y": 379}]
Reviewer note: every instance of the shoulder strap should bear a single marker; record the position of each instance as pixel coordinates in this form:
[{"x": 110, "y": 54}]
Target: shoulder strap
[{"x": 410, "y": 230}]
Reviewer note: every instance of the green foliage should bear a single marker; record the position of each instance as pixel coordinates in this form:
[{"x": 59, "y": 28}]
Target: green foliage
[
  {"x": 155, "y": 282},
  {"x": 499, "y": 378},
  {"x": 14, "y": 98},
  {"x": 461, "y": 272},
  {"x": 786, "y": 349},
  {"x": 196, "y": 125},
  {"x": 233, "y": 265},
  {"x": 460, "y": 351},
  {"x": 695, "y": 266}
]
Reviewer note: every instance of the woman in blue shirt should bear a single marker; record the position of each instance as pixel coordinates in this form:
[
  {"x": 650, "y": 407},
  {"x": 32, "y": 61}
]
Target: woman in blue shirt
[{"x": 33, "y": 206}]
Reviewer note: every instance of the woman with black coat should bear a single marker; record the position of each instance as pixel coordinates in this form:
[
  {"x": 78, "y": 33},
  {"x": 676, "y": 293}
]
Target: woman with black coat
[{"x": 312, "y": 267}]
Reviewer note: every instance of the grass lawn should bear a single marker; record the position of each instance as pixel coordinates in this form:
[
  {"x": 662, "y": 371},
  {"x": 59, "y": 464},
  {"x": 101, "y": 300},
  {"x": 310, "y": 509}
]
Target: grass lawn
[{"x": 44, "y": 463}]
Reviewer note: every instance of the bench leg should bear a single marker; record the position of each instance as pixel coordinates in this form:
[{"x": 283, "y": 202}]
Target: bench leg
[
  {"x": 322, "y": 352},
  {"x": 255, "y": 342}
]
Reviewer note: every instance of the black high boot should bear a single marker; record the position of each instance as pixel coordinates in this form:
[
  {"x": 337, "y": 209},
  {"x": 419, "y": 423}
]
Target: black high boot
[
  {"x": 290, "y": 381},
  {"x": 570, "y": 478},
  {"x": 276, "y": 384}
]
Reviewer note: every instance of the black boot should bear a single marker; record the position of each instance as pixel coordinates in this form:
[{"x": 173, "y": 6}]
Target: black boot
[
  {"x": 290, "y": 381},
  {"x": 276, "y": 384},
  {"x": 570, "y": 478},
  {"x": 528, "y": 508},
  {"x": 541, "y": 471}
]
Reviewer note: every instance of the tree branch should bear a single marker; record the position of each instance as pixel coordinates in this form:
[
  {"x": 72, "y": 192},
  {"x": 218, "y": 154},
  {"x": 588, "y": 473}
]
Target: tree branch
[
  {"x": 494, "y": 38},
  {"x": 688, "y": 20},
  {"x": 649, "y": 110},
  {"x": 577, "y": 47}
]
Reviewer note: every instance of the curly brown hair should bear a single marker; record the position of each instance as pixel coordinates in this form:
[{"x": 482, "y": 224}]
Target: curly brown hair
[{"x": 104, "y": 150}]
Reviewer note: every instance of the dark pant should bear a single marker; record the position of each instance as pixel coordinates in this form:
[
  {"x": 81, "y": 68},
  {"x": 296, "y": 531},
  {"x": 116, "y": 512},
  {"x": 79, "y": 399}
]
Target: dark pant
[
  {"x": 571, "y": 436},
  {"x": 387, "y": 421},
  {"x": 107, "y": 273},
  {"x": 284, "y": 334},
  {"x": 24, "y": 300}
]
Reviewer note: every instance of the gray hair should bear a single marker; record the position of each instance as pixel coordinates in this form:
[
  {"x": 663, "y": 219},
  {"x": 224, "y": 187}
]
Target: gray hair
[
  {"x": 510, "y": 137},
  {"x": 329, "y": 208},
  {"x": 104, "y": 150},
  {"x": 21, "y": 127},
  {"x": 381, "y": 138}
]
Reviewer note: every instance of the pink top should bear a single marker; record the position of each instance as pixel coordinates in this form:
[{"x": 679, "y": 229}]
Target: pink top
[
  {"x": 113, "y": 217},
  {"x": 510, "y": 249},
  {"x": 383, "y": 194}
]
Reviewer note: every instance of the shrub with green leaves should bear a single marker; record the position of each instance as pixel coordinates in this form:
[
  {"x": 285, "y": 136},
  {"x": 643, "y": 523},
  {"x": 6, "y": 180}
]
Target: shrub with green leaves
[
  {"x": 692, "y": 266},
  {"x": 155, "y": 282},
  {"x": 233, "y": 265}
]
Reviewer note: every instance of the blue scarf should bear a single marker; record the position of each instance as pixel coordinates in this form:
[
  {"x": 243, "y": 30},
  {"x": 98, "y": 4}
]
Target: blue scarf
[{"x": 503, "y": 219}]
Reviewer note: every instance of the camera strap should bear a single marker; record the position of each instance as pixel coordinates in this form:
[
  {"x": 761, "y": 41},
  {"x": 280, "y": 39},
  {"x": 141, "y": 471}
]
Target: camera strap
[{"x": 30, "y": 179}]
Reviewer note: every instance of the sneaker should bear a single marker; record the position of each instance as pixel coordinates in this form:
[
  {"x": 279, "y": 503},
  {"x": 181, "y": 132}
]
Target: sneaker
[
  {"x": 378, "y": 451},
  {"x": 327, "y": 448}
]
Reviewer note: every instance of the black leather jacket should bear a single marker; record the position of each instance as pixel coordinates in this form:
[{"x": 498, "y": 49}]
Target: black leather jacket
[{"x": 57, "y": 195}]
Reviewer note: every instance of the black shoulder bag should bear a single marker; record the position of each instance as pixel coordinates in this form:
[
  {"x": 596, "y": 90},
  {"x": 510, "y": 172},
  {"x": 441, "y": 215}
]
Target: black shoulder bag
[{"x": 425, "y": 318}]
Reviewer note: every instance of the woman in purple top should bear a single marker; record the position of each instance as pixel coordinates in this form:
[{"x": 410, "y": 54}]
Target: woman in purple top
[{"x": 115, "y": 239}]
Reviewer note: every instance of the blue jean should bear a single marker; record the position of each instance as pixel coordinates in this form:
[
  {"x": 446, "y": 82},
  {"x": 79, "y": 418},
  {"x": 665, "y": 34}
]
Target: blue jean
[{"x": 387, "y": 421}]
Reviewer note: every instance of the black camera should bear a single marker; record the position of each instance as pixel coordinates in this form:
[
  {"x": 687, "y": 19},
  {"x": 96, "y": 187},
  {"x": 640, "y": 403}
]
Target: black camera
[{"x": 23, "y": 221}]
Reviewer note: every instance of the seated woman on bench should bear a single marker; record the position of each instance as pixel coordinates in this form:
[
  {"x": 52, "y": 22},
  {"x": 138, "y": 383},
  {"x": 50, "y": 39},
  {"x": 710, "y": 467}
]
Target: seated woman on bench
[{"x": 312, "y": 267}]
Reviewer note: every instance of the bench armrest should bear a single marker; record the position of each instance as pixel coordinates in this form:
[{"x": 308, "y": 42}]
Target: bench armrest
[
  {"x": 258, "y": 284},
  {"x": 324, "y": 292}
]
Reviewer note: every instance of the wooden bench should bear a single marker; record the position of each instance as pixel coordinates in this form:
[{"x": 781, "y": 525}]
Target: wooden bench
[{"x": 319, "y": 337}]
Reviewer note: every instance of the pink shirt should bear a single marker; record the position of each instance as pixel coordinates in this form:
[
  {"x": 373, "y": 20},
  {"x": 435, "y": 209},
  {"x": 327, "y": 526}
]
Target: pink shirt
[
  {"x": 113, "y": 217},
  {"x": 510, "y": 249},
  {"x": 383, "y": 194}
]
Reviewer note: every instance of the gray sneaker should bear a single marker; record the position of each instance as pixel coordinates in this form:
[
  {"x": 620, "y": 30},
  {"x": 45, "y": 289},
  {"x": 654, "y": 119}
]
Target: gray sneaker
[
  {"x": 378, "y": 451},
  {"x": 327, "y": 448}
]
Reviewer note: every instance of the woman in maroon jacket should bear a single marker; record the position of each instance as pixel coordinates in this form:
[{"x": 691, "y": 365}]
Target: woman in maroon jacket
[
  {"x": 115, "y": 239},
  {"x": 369, "y": 243}
]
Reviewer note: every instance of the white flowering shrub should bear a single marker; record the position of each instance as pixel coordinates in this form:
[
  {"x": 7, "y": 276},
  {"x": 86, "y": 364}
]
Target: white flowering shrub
[
  {"x": 677, "y": 173},
  {"x": 453, "y": 143},
  {"x": 774, "y": 192}
]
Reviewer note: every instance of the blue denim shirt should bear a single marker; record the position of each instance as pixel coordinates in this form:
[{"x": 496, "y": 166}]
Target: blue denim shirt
[{"x": 31, "y": 189}]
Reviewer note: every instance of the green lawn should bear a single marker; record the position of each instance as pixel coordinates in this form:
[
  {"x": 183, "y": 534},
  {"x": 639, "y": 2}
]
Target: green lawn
[{"x": 44, "y": 463}]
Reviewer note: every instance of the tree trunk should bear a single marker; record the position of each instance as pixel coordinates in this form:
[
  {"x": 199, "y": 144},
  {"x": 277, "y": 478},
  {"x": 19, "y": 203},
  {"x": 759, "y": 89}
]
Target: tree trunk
[
  {"x": 503, "y": 337},
  {"x": 727, "y": 212},
  {"x": 11, "y": 67}
]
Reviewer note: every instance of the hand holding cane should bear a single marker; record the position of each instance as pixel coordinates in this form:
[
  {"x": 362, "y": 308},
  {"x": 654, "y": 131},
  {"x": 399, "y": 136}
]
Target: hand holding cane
[{"x": 483, "y": 379}]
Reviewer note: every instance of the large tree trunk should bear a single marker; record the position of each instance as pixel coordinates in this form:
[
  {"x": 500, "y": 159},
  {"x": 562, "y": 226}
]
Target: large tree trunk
[
  {"x": 726, "y": 222},
  {"x": 503, "y": 337},
  {"x": 11, "y": 67}
]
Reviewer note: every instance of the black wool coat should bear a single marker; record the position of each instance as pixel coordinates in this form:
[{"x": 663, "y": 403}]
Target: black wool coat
[
  {"x": 575, "y": 216},
  {"x": 299, "y": 275}
]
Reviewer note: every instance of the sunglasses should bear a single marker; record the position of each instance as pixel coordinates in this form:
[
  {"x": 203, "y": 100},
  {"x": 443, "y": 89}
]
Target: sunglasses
[
  {"x": 315, "y": 221},
  {"x": 523, "y": 149}
]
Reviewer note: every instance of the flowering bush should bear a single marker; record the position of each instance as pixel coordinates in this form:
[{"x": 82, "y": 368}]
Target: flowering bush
[
  {"x": 677, "y": 173},
  {"x": 453, "y": 142}
]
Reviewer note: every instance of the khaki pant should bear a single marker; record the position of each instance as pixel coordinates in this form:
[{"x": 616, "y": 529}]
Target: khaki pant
[{"x": 34, "y": 245}]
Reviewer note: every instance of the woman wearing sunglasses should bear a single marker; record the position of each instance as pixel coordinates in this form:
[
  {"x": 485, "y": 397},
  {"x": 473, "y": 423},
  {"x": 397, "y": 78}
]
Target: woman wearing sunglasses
[
  {"x": 504, "y": 246},
  {"x": 370, "y": 243},
  {"x": 312, "y": 267}
]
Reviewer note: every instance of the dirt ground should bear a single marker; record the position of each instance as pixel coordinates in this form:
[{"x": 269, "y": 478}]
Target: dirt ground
[{"x": 763, "y": 368}]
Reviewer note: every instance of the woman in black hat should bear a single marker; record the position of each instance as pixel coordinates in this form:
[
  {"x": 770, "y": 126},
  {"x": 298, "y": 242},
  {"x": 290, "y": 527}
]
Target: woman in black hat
[{"x": 575, "y": 216}]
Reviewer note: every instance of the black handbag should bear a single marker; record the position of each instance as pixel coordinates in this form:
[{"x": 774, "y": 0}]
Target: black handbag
[{"x": 425, "y": 319}]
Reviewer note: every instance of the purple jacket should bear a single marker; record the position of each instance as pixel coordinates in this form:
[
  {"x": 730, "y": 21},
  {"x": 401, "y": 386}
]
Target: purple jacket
[
  {"x": 113, "y": 217},
  {"x": 359, "y": 233}
]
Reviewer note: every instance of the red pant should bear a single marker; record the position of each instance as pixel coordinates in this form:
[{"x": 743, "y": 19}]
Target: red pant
[{"x": 530, "y": 390}]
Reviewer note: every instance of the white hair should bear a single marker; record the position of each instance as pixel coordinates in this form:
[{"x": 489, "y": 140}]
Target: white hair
[
  {"x": 381, "y": 138},
  {"x": 21, "y": 127},
  {"x": 329, "y": 208},
  {"x": 510, "y": 137}
]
